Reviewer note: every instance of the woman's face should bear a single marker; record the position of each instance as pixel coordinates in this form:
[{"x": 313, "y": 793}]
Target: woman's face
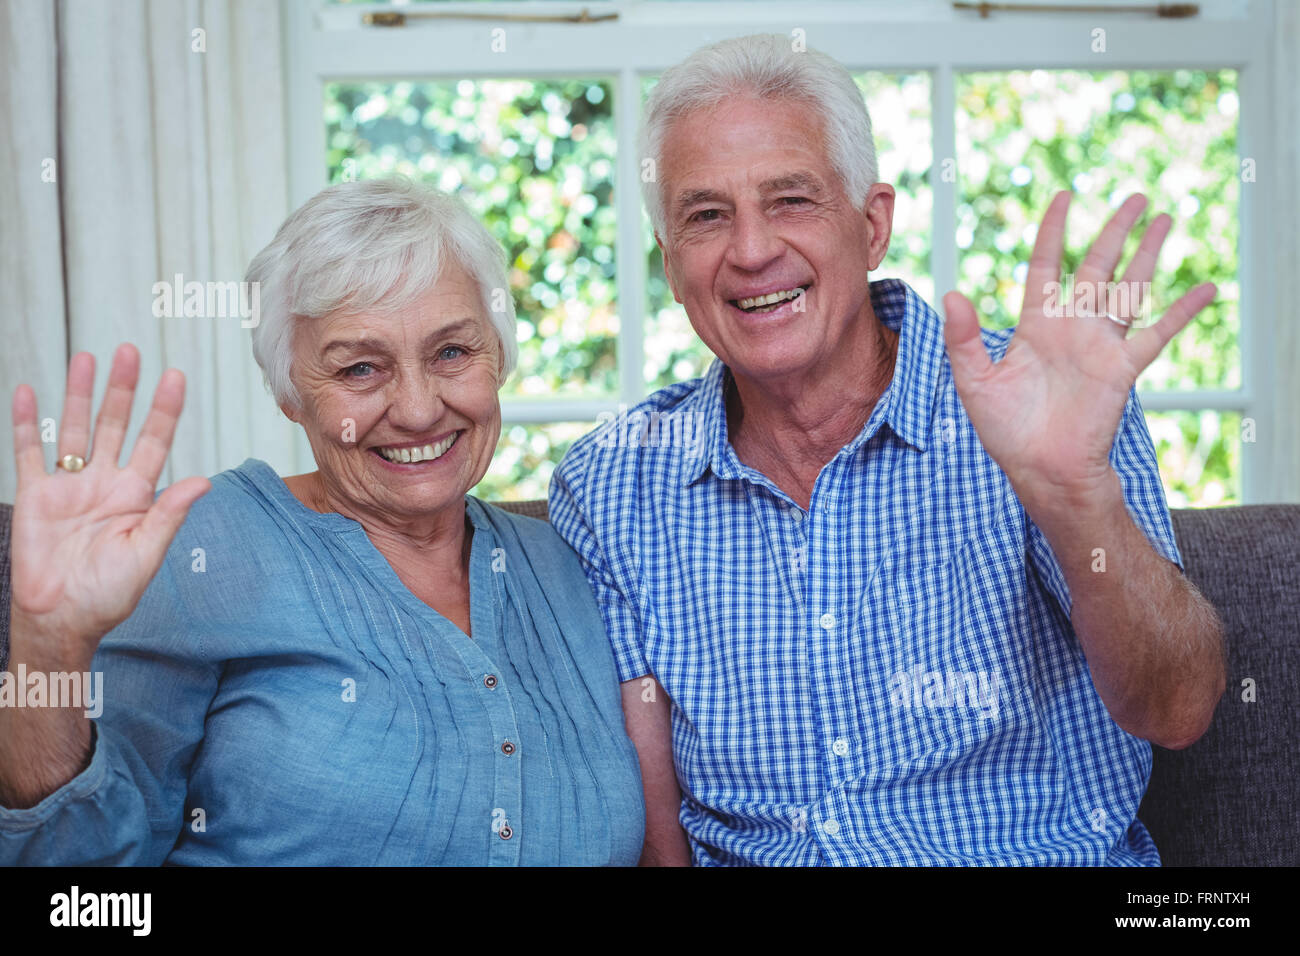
[{"x": 401, "y": 408}]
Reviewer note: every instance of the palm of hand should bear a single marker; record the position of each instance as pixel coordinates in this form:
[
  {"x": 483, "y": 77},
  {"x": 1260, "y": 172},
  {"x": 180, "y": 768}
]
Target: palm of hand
[
  {"x": 1047, "y": 413},
  {"x": 77, "y": 536},
  {"x": 86, "y": 544}
]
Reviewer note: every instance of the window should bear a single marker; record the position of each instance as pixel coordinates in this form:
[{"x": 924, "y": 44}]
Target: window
[{"x": 976, "y": 124}]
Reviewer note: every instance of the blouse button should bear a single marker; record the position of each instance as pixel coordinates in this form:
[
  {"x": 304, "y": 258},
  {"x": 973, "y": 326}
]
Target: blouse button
[
  {"x": 490, "y": 682},
  {"x": 507, "y": 748},
  {"x": 506, "y": 832}
]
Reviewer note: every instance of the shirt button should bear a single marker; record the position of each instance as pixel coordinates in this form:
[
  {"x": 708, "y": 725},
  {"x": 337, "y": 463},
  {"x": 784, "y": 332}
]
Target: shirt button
[
  {"x": 796, "y": 513},
  {"x": 505, "y": 831},
  {"x": 841, "y": 747},
  {"x": 490, "y": 682},
  {"x": 831, "y": 827},
  {"x": 827, "y": 621},
  {"x": 507, "y": 748}
]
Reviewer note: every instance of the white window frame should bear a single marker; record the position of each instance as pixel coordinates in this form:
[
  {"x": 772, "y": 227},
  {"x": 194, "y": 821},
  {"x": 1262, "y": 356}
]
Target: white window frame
[{"x": 328, "y": 42}]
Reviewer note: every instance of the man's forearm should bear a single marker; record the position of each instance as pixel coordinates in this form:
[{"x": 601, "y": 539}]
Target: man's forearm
[{"x": 1153, "y": 643}]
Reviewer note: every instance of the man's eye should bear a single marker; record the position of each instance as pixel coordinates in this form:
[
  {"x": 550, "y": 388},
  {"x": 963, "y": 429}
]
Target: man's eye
[
  {"x": 706, "y": 215},
  {"x": 792, "y": 200},
  {"x": 360, "y": 370}
]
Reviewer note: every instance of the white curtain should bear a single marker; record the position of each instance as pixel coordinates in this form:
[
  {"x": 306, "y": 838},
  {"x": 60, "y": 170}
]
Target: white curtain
[
  {"x": 143, "y": 139},
  {"x": 1280, "y": 463}
]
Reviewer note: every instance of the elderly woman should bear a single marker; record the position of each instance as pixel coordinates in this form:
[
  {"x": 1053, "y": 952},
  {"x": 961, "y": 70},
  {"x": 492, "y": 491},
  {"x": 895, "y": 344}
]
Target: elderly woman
[{"x": 360, "y": 665}]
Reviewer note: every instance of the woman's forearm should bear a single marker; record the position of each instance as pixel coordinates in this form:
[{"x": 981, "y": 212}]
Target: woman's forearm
[{"x": 42, "y": 747}]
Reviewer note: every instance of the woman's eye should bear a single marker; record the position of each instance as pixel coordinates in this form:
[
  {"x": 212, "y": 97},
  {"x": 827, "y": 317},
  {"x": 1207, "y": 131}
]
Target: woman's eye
[
  {"x": 451, "y": 353},
  {"x": 360, "y": 370}
]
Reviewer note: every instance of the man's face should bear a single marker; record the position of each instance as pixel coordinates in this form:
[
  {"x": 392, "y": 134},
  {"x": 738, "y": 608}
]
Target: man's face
[{"x": 753, "y": 209}]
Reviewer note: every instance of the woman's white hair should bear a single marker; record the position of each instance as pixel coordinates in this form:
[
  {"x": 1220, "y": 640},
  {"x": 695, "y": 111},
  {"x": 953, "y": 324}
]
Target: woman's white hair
[
  {"x": 766, "y": 66},
  {"x": 369, "y": 245}
]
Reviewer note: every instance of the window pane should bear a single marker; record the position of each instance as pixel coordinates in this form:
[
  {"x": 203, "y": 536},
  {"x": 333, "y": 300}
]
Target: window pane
[
  {"x": 1200, "y": 456},
  {"x": 525, "y": 457},
  {"x": 899, "y": 105},
  {"x": 1024, "y": 135},
  {"x": 535, "y": 161}
]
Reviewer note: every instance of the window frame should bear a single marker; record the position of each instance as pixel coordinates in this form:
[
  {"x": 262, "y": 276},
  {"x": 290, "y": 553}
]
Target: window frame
[{"x": 327, "y": 42}]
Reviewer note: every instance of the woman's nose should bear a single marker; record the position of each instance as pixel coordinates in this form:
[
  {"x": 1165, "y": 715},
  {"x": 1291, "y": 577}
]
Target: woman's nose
[{"x": 415, "y": 400}]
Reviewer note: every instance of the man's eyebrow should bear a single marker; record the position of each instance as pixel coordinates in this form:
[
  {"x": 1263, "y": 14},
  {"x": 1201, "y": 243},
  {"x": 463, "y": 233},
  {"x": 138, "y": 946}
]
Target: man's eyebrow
[
  {"x": 692, "y": 197},
  {"x": 368, "y": 344},
  {"x": 804, "y": 181}
]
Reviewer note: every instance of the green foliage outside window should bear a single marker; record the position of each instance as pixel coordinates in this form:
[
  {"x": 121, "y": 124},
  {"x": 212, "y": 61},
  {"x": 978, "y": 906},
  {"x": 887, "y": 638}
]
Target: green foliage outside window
[{"x": 536, "y": 159}]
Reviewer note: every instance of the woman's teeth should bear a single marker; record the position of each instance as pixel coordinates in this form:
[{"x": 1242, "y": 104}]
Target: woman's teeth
[
  {"x": 418, "y": 454},
  {"x": 758, "y": 302}
]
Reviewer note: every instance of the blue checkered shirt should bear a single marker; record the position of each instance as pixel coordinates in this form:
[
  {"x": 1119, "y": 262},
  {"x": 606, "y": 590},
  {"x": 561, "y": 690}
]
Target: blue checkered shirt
[{"x": 888, "y": 678}]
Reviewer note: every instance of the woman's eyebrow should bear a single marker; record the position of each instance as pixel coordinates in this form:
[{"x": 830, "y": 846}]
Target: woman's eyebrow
[{"x": 369, "y": 344}]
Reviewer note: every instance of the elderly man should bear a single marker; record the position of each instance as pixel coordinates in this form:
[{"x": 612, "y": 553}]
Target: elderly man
[{"x": 913, "y": 596}]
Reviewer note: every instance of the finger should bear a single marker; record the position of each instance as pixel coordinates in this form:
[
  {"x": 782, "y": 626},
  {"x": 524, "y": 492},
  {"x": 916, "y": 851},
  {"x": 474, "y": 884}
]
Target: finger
[
  {"x": 74, "y": 429},
  {"x": 961, "y": 334},
  {"x": 1146, "y": 344},
  {"x": 1103, "y": 255},
  {"x": 115, "y": 412},
  {"x": 1136, "y": 280},
  {"x": 155, "y": 439},
  {"x": 165, "y": 517},
  {"x": 29, "y": 459},
  {"x": 1045, "y": 260}
]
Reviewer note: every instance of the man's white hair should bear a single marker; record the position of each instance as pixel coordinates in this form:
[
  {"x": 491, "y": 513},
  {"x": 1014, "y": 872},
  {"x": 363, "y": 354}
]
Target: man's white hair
[
  {"x": 766, "y": 66},
  {"x": 369, "y": 245}
]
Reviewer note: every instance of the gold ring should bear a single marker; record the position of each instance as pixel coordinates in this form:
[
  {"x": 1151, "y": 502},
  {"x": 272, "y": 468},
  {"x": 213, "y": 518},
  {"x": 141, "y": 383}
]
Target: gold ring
[
  {"x": 1126, "y": 323},
  {"x": 71, "y": 463}
]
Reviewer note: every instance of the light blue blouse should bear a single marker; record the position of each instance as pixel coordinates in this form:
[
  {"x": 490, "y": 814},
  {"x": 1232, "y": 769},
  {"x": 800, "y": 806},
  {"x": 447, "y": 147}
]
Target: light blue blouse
[{"x": 280, "y": 697}]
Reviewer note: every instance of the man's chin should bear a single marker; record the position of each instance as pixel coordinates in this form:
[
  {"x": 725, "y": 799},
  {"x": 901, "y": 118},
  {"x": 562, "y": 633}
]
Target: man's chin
[{"x": 771, "y": 364}]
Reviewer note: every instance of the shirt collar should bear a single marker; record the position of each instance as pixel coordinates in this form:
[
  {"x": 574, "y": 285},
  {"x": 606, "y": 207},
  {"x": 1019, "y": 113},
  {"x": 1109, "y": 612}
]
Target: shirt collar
[{"x": 907, "y": 405}]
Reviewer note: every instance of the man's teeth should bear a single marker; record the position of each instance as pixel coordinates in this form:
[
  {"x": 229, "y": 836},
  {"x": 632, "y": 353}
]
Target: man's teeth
[
  {"x": 427, "y": 453},
  {"x": 772, "y": 298}
]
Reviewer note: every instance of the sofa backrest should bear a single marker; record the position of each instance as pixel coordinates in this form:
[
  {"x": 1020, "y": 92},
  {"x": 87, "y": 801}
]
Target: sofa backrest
[{"x": 1231, "y": 798}]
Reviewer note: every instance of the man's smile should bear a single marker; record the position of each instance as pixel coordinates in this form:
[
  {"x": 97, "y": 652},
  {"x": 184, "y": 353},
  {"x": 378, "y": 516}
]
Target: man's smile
[{"x": 767, "y": 302}]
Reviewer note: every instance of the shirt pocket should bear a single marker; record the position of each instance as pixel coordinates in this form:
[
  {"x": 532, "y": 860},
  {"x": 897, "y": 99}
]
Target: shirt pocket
[{"x": 952, "y": 670}]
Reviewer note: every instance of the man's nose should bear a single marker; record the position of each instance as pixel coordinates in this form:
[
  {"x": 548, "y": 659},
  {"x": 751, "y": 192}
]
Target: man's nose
[
  {"x": 415, "y": 400},
  {"x": 754, "y": 240}
]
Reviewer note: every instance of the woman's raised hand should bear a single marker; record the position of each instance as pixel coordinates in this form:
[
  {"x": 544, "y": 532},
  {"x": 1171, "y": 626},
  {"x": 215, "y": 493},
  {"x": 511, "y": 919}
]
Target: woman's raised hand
[{"x": 86, "y": 543}]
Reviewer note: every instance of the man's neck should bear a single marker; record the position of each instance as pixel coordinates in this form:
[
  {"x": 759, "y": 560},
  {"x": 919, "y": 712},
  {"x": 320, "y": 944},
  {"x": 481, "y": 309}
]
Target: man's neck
[{"x": 788, "y": 429}]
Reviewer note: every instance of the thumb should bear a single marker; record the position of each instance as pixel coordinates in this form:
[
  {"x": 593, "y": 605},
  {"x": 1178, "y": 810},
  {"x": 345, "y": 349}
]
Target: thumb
[
  {"x": 166, "y": 515},
  {"x": 961, "y": 334}
]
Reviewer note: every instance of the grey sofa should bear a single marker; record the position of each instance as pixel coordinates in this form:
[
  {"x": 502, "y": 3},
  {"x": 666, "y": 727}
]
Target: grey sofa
[{"x": 1231, "y": 798}]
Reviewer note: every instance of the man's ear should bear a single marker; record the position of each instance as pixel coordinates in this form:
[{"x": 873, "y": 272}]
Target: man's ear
[
  {"x": 879, "y": 211},
  {"x": 668, "y": 271},
  {"x": 290, "y": 412}
]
